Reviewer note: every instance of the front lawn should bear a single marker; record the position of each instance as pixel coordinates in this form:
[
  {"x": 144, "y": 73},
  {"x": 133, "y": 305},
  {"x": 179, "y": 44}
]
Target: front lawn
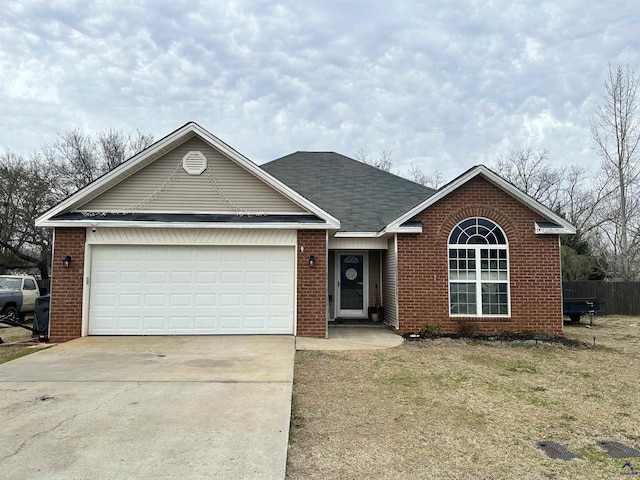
[
  {"x": 463, "y": 409},
  {"x": 14, "y": 346}
]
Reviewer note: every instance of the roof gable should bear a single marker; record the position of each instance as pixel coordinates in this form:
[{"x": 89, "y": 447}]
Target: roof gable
[
  {"x": 142, "y": 185},
  {"x": 362, "y": 197},
  {"x": 165, "y": 186},
  {"x": 397, "y": 225}
]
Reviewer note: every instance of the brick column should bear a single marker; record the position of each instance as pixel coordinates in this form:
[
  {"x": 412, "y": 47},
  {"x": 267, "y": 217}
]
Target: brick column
[
  {"x": 65, "y": 314},
  {"x": 312, "y": 284}
]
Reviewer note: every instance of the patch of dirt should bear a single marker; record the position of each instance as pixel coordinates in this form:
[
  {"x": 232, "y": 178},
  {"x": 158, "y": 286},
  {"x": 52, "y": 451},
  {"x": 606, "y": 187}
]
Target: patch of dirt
[{"x": 507, "y": 338}]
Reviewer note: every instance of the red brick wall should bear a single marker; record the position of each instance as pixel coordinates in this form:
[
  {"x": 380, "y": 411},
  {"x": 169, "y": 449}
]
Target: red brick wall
[
  {"x": 312, "y": 284},
  {"x": 534, "y": 265},
  {"x": 65, "y": 315}
]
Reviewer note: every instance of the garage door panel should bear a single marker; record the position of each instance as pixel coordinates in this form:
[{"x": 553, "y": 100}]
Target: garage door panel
[
  {"x": 150, "y": 323},
  {"x": 230, "y": 300},
  {"x": 280, "y": 278},
  {"x": 130, "y": 300},
  {"x": 105, "y": 300},
  {"x": 165, "y": 290},
  {"x": 155, "y": 300},
  {"x": 156, "y": 277},
  {"x": 255, "y": 300},
  {"x": 230, "y": 323},
  {"x": 204, "y": 279},
  {"x": 231, "y": 255},
  {"x": 206, "y": 300},
  {"x": 104, "y": 277}
]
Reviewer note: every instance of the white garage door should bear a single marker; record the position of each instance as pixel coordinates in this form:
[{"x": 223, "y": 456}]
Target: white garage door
[{"x": 195, "y": 290}]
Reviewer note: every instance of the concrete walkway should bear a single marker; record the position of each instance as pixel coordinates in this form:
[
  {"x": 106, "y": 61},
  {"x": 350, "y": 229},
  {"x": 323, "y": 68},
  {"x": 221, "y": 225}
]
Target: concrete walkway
[
  {"x": 210, "y": 407},
  {"x": 352, "y": 338}
]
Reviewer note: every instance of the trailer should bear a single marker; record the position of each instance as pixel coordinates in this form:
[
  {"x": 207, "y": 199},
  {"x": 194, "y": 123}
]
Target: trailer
[{"x": 575, "y": 308}]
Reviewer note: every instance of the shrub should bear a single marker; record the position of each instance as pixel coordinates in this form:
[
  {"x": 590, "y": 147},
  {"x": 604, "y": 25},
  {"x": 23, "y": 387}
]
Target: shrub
[
  {"x": 467, "y": 329},
  {"x": 430, "y": 330}
]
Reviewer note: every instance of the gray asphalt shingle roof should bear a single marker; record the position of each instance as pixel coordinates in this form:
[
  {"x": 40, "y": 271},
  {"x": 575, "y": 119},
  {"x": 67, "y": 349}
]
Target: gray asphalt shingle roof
[{"x": 362, "y": 197}]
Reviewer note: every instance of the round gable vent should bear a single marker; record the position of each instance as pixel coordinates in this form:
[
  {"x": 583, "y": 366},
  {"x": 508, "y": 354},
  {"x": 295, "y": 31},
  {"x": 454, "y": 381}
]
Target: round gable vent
[{"x": 194, "y": 163}]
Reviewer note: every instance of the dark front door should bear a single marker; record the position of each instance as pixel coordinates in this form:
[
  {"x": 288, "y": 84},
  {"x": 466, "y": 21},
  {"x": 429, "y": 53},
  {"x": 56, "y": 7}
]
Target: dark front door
[{"x": 351, "y": 284}]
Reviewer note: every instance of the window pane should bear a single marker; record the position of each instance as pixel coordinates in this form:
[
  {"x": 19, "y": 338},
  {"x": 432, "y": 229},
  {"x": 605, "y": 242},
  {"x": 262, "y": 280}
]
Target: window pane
[
  {"x": 494, "y": 299},
  {"x": 468, "y": 223},
  {"x": 463, "y": 299}
]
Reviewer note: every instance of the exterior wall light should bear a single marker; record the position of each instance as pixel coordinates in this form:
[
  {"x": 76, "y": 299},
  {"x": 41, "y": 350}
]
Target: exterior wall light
[
  {"x": 312, "y": 261},
  {"x": 66, "y": 261}
]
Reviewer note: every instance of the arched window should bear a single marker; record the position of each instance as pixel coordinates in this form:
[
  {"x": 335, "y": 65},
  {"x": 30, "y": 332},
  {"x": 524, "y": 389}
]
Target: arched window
[{"x": 478, "y": 269}]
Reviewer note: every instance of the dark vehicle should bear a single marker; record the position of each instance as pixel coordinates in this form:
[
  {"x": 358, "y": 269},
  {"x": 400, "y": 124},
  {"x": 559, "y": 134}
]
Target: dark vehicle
[{"x": 574, "y": 308}]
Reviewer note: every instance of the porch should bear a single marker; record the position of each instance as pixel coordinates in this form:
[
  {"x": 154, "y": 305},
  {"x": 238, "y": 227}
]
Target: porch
[
  {"x": 370, "y": 337},
  {"x": 361, "y": 283}
]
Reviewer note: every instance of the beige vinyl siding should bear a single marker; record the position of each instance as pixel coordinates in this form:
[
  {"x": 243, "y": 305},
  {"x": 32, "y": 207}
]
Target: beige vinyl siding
[
  {"x": 331, "y": 283},
  {"x": 193, "y": 193},
  {"x": 389, "y": 287},
  {"x": 374, "y": 277},
  {"x": 357, "y": 243}
]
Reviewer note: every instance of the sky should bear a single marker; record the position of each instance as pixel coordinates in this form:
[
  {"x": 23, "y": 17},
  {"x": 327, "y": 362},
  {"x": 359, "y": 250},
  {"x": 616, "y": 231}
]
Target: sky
[{"x": 442, "y": 85}]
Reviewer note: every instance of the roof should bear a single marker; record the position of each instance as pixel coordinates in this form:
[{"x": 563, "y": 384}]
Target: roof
[
  {"x": 362, "y": 197},
  {"x": 563, "y": 227}
]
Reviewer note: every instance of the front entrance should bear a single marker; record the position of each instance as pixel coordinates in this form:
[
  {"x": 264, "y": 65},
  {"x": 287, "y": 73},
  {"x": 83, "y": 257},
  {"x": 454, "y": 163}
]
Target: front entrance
[{"x": 352, "y": 289}]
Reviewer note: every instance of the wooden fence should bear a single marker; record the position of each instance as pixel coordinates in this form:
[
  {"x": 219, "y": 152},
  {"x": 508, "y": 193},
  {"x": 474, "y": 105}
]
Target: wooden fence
[{"x": 622, "y": 298}]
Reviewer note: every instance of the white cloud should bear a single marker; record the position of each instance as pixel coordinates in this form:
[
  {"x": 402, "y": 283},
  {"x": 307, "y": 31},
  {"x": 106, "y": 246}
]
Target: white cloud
[{"x": 441, "y": 84}]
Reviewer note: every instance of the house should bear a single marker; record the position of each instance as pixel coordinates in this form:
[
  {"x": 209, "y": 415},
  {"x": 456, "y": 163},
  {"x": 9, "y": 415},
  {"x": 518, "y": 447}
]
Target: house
[{"x": 191, "y": 237}]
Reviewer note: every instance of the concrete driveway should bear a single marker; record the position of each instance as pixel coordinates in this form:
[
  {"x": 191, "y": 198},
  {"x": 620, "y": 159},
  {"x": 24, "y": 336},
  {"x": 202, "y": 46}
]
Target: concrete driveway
[{"x": 148, "y": 407}]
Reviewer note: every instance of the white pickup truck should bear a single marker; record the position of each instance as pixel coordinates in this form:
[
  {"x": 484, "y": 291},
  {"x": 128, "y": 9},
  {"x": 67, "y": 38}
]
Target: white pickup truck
[{"x": 18, "y": 295}]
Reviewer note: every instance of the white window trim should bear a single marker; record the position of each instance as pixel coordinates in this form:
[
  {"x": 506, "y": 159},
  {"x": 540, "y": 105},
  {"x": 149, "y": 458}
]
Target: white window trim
[{"x": 478, "y": 281}]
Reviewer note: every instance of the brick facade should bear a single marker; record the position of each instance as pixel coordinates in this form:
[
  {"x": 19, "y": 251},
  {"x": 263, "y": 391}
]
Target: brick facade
[
  {"x": 65, "y": 315},
  {"x": 423, "y": 290},
  {"x": 534, "y": 265},
  {"x": 312, "y": 284}
]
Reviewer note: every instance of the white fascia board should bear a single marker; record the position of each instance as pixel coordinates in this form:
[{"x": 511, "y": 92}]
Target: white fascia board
[
  {"x": 553, "y": 230},
  {"x": 116, "y": 223},
  {"x": 356, "y": 234},
  {"x": 497, "y": 181},
  {"x": 403, "y": 230},
  {"x": 191, "y": 127}
]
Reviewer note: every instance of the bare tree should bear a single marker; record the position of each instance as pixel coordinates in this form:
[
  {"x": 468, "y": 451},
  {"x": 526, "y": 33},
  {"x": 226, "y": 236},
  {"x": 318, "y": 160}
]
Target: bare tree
[
  {"x": 530, "y": 171},
  {"x": 615, "y": 133},
  {"x": 114, "y": 146},
  {"x": 434, "y": 180},
  {"x": 384, "y": 161},
  {"x": 25, "y": 192},
  {"x": 78, "y": 158}
]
